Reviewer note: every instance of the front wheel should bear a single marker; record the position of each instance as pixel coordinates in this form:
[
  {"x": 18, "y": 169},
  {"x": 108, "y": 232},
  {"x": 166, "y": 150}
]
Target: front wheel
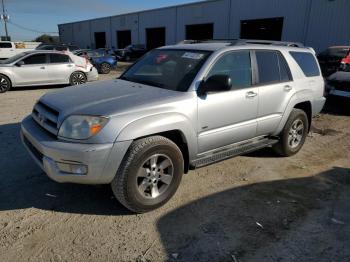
[
  {"x": 77, "y": 78},
  {"x": 149, "y": 174},
  {"x": 5, "y": 84},
  {"x": 293, "y": 135}
]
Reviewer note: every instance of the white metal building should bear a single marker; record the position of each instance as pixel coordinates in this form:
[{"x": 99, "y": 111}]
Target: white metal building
[{"x": 316, "y": 23}]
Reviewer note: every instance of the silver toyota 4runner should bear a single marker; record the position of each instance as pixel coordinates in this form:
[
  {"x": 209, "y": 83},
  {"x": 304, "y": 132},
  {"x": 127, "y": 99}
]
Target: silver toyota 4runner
[{"x": 178, "y": 108}]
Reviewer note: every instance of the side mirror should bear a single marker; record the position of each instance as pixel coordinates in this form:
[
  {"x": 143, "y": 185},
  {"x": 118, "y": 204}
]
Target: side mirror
[
  {"x": 19, "y": 63},
  {"x": 215, "y": 83}
]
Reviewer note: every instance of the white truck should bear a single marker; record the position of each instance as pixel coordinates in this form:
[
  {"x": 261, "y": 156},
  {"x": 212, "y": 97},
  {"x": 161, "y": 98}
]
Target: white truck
[{"x": 9, "y": 49}]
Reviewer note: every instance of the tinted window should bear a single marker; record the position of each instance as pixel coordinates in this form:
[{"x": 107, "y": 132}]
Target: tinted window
[
  {"x": 58, "y": 58},
  {"x": 338, "y": 52},
  {"x": 45, "y": 47},
  {"x": 307, "y": 63},
  {"x": 268, "y": 67},
  {"x": 73, "y": 48},
  {"x": 285, "y": 74},
  {"x": 35, "y": 59},
  {"x": 237, "y": 65},
  {"x": 5, "y": 45},
  {"x": 61, "y": 48}
]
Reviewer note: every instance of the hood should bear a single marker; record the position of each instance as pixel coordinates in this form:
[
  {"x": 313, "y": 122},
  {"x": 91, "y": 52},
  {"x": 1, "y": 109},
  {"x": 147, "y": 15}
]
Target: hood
[
  {"x": 108, "y": 98},
  {"x": 5, "y": 65}
]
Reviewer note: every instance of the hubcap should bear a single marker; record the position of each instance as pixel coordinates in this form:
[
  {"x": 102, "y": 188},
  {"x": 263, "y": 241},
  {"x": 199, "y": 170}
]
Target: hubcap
[
  {"x": 296, "y": 133},
  {"x": 3, "y": 84},
  {"x": 155, "y": 176},
  {"x": 78, "y": 79}
]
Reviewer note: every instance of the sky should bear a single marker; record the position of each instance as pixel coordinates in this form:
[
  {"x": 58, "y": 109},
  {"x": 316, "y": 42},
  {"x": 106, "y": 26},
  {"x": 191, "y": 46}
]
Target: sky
[{"x": 45, "y": 15}]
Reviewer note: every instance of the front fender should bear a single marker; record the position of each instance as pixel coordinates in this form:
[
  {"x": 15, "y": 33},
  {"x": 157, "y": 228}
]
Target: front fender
[
  {"x": 299, "y": 97},
  {"x": 160, "y": 123}
]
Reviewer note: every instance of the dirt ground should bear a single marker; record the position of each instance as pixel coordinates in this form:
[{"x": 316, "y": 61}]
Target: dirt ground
[{"x": 257, "y": 207}]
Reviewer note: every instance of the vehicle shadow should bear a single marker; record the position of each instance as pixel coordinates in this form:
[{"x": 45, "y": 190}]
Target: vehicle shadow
[
  {"x": 37, "y": 87},
  {"x": 253, "y": 222},
  {"x": 24, "y": 185}
]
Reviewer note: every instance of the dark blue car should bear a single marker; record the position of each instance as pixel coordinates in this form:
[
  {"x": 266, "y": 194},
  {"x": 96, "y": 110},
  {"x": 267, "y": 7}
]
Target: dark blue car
[{"x": 100, "y": 58}]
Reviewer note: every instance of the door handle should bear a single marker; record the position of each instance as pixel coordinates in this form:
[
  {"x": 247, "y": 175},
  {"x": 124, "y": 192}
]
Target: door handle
[
  {"x": 69, "y": 65},
  {"x": 251, "y": 94},
  {"x": 43, "y": 67},
  {"x": 288, "y": 88}
]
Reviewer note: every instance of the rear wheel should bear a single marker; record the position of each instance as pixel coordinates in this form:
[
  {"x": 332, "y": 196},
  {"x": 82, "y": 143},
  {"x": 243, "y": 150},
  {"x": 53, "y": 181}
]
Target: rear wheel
[
  {"x": 77, "y": 78},
  {"x": 149, "y": 174},
  {"x": 5, "y": 84},
  {"x": 105, "y": 68},
  {"x": 293, "y": 135}
]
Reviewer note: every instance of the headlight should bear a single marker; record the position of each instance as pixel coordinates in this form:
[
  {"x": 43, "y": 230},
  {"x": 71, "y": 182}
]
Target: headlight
[{"x": 81, "y": 127}]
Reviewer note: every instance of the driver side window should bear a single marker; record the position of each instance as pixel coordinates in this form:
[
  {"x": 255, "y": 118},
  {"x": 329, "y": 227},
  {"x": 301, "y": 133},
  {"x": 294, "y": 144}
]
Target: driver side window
[
  {"x": 35, "y": 59},
  {"x": 237, "y": 66}
]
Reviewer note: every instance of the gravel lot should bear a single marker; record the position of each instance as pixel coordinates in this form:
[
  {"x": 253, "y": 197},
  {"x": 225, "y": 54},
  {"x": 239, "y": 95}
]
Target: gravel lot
[{"x": 257, "y": 207}]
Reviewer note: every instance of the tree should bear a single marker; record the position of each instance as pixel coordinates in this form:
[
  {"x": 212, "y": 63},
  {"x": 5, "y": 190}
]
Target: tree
[{"x": 47, "y": 39}]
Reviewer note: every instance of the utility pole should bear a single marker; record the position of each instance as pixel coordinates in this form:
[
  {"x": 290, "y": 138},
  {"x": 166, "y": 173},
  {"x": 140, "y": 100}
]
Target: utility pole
[{"x": 5, "y": 17}]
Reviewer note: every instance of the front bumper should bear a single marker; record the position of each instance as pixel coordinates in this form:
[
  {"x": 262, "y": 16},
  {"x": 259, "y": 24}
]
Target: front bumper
[{"x": 102, "y": 160}]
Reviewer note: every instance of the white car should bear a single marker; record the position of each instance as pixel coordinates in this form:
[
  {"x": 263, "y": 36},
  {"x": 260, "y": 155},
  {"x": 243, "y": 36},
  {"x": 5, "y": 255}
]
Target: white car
[
  {"x": 9, "y": 49},
  {"x": 35, "y": 68}
]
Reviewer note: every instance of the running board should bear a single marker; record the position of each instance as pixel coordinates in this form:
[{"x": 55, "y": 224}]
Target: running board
[{"x": 231, "y": 151}]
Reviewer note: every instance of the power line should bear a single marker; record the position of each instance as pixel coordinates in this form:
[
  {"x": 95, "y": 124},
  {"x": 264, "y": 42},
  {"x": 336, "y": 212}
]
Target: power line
[{"x": 30, "y": 29}]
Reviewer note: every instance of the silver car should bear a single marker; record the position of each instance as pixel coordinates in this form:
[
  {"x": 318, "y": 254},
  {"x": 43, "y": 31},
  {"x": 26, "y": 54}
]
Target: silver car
[
  {"x": 35, "y": 68},
  {"x": 178, "y": 108}
]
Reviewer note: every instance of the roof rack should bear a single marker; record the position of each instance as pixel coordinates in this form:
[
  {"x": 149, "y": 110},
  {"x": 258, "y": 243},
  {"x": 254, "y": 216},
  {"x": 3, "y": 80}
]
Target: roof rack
[{"x": 233, "y": 42}]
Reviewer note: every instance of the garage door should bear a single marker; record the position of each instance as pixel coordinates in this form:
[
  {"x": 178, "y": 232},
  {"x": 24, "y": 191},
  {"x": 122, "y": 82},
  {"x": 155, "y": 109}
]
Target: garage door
[
  {"x": 124, "y": 38},
  {"x": 155, "y": 37},
  {"x": 200, "y": 31},
  {"x": 263, "y": 29},
  {"x": 100, "y": 39}
]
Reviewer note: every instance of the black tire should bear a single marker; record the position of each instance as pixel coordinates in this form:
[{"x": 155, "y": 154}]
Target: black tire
[
  {"x": 290, "y": 143},
  {"x": 105, "y": 68},
  {"x": 126, "y": 184},
  {"x": 5, "y": 84},
  {"x": 77, "y": 78}
]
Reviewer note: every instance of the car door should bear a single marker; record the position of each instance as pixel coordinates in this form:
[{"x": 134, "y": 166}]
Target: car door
[
  {"x": 275, "y": 89},
  {"x": 32, "y": 70},
  {"x": 228, "y": 117},
  {"x": 60, "y": 68}
]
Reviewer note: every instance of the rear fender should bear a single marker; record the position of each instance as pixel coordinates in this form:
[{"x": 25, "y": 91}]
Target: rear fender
[{"x": 299, "y": 97}]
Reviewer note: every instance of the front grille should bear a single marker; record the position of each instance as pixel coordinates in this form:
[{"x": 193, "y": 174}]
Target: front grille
[
  {"x": 38, "y": 155},
  {"x": 46, "y": 117}
]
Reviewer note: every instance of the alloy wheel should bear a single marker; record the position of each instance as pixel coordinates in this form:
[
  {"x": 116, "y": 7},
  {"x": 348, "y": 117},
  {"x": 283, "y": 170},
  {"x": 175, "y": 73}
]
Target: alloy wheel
[
  {"x": 296, "y": 133},
  {"x": 78, "y": 79},
  {"x": 154, "y": 176},
  {"x": 4, "y": 84}
]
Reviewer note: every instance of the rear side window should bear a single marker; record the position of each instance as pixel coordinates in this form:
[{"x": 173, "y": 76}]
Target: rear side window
[
  {"x": 268, "y": 68},
  {"x": 58, "y": 58},
  {"x": 285, "y": 74},
  {"x": 5, "y": 45},
  {"x": 307, "y": 63}
]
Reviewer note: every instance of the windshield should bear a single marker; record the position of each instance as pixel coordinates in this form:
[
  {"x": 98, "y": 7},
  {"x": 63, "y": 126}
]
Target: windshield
[
  {"x": 168, "y": 69},
  {"x": 14, "y": 58}
]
